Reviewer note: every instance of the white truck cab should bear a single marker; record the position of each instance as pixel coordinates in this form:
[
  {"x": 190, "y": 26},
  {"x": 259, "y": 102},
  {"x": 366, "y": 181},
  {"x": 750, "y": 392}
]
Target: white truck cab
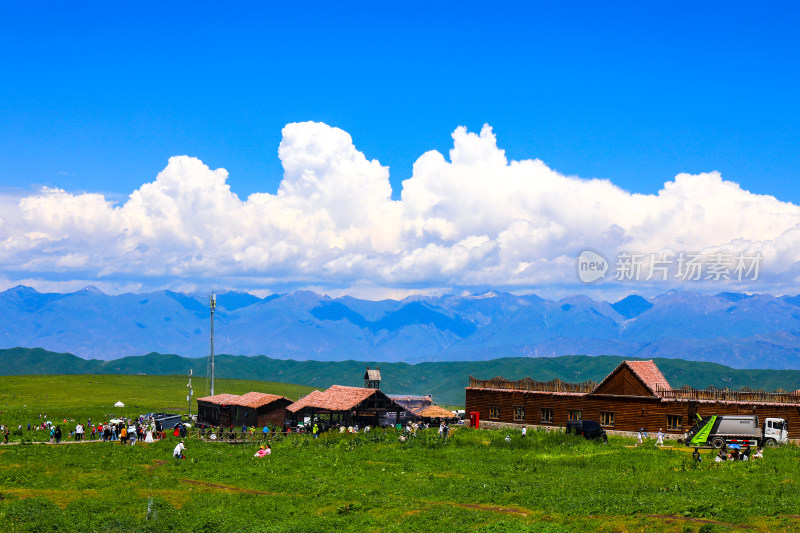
[{"x": 777, "y": 430}]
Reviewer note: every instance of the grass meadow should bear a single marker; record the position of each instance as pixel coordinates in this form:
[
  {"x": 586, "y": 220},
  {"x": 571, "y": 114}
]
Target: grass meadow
[
  {"x": 77, "y": 398},
  {"x": 475, "y": 481}
]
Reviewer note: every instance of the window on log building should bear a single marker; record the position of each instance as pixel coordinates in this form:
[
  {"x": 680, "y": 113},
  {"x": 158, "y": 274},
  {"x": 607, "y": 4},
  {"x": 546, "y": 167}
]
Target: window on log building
[
  {"x": 547, "y": 415},
  {"x": 519, "y": 413},
  {"x": 494, "y": 411},
  {"x": 575, "y": 415},
  {"x": 607, "y": 419},
  {"x": 674, "y": 422}
]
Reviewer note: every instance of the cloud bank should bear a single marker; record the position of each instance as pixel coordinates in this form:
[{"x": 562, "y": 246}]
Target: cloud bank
[{"x": 475, "y": 220}]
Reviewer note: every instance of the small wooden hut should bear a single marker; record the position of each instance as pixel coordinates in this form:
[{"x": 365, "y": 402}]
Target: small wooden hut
[
  {"x": 434, "y": 413},
  {"x": 411, "y": 403},
  {"x": 345, "y": 405},
  {"x": 251, "y": 409}
]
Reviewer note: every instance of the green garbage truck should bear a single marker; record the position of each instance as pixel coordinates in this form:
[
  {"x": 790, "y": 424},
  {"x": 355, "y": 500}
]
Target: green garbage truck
[{"x": 718, "y": 431}]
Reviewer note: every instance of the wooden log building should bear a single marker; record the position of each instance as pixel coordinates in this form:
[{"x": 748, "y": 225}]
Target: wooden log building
[
  {"x": 251, "y": 409},
  {"x": 634, "y": 395},
  {"x": 345, "y": 405}
]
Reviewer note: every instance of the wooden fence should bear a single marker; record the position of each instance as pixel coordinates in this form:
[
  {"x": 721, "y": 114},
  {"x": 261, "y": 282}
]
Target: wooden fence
[
  {"x": 744, "y": 395},
  {"x": 529, "y": 384}
]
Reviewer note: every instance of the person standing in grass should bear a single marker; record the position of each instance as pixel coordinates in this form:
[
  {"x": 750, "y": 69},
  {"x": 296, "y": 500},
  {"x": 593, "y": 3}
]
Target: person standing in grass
[
  {"x": 659, "y": 438},
  {"x": 123, "y": 435},
  {"x": 6, "y": 432},
  {"x": 57, "y": 434},
  {"x": 180, "y": 451},
  {"x": 696, "y": 456},
  {"x": 639, "y": 437}
]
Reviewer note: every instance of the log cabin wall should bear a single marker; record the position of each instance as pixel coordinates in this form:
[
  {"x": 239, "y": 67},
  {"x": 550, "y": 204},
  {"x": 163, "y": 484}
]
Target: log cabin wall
[
  {"x": 629, "y": 412},
  {"x": 273, "y": 414},
  {"x": 208, "y": 413}
]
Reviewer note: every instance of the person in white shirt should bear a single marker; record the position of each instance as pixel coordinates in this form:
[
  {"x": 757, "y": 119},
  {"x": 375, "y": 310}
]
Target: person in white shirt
[
  {"x": 659, "y": 438},
  {"x": 177, "y": 453}
]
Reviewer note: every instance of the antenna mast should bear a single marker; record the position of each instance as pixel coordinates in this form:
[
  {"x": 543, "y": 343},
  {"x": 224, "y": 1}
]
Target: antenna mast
[
  {"x": 212, "y": 304},
  {"x": 191, "y": 393}
]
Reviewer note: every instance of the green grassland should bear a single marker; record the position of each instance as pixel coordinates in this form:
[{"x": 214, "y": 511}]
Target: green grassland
[
  {"x": 475, "y": 481},
  {"x": 77, "y": 398}
]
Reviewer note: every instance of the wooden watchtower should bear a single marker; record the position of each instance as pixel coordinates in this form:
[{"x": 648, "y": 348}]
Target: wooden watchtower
[{"x": 372, "y": 378}]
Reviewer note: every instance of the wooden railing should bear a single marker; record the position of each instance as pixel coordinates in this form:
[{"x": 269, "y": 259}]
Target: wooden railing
[
  {"x": 744, "y": 395},
  {"x": 529, "y": 384}
]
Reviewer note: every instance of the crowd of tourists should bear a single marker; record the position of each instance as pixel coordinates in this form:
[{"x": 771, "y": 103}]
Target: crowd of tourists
[
  {"x": 737, "y": 454},
  {"x": 315, "y": 428},
  {"x": 126, "y": 431}
]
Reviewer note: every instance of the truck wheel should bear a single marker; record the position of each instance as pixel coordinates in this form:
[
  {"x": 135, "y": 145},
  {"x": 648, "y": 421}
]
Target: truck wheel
[
  {"x": 771, "y": 443},
  {"x": 718, "y": 443}
]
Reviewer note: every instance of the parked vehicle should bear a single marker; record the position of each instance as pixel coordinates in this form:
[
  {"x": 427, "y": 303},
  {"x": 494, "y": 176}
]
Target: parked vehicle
[
  {"x": 589, "y": 429},
  {"x": 718, "y": 431},
  {"x": 164, "y": 421}
]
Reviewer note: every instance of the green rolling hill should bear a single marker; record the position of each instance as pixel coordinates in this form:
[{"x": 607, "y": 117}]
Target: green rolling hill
[{"x": 444, "y": 380}]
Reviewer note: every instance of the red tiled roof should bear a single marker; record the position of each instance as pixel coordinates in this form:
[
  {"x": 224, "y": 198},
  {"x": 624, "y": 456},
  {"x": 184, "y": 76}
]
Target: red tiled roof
[
  {"x": 336, "y": 398},
  {"x": 305, "y": 401},
  {"x": 258, "y": 399},
  {"x": 251, "y": 399},
  {"x": 219, "y": 399},
  {"x": 650, "y": 375},
  {"x": 341, "y": 398},
  {"x": 434, "y": 411}
]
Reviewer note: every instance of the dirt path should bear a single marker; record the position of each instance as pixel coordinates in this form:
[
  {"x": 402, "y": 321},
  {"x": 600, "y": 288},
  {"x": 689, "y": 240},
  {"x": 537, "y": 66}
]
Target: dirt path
[
  {"x": 671, "y": 518},
  {"x": 220, "y": 486}
]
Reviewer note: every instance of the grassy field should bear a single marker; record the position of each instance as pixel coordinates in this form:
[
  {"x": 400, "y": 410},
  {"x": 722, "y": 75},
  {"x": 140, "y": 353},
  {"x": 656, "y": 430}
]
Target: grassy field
[
  {"x": 77, "y": 398},
  {"x": 476, "y": 481}
]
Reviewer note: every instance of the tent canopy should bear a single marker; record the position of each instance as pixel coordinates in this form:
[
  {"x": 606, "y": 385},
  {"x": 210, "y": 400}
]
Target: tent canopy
[{"x": 119, "y": 404}]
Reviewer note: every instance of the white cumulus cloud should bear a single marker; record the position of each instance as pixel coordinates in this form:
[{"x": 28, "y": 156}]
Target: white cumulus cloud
[{"x": 473, "y": 219}]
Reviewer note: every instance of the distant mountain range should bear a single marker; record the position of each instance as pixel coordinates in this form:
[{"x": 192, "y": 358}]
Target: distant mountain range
[
  {"x": 444, "y": 380},
  {"x": 738, "y": 330}
]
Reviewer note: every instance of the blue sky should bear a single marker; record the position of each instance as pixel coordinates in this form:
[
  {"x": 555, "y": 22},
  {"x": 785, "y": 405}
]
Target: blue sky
[{"x": 97, "y": 98}]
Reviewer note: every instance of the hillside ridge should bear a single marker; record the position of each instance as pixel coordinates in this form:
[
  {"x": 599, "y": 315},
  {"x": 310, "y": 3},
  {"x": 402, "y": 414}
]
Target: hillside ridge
[{"x": 444, "y": 380}]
